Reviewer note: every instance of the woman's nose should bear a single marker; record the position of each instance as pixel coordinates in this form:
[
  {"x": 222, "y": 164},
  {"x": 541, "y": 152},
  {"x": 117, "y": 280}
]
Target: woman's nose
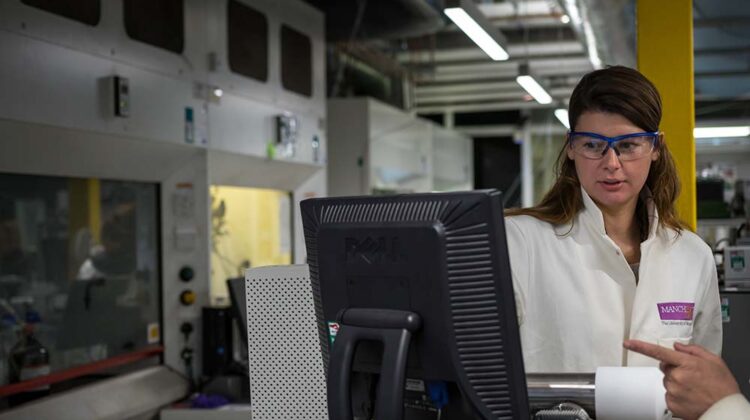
[{"x": 611, "y": 160}]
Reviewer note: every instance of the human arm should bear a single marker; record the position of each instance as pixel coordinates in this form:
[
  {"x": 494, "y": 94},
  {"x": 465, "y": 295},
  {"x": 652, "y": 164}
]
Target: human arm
[
  {"x": 734, "y": 406},
  {"x": 695, "y": 378}
]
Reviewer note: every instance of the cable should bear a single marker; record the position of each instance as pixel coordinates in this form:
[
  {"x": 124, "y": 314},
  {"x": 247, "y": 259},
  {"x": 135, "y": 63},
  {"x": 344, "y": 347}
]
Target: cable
[{"x": 187, "y": 354}]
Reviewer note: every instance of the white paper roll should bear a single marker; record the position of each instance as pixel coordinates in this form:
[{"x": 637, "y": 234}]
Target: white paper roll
[{"x": 630, "y": 393}]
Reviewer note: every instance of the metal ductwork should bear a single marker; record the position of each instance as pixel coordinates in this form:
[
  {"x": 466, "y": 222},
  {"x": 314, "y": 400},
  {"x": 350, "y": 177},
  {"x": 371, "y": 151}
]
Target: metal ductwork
[
  {"x": 607, "y": 29},
  {"x": 379, "y": 19}
]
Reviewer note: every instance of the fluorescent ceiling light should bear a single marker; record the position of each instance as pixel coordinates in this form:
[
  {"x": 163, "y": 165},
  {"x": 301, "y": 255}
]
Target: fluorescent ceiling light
[
  {"x": 572, "y": 11},
  {"x": 535, "y": 89},
  {"x": 573, "y": 386},
  {"x": 562, "y": 115},
  {"x": 709, "y": 132},
  {"x": 477, "y": 32}
]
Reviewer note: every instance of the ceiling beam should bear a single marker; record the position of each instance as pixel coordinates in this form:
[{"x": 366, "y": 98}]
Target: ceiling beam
[
  {"x": 496, "y": 70},
  {"x": 534, "y": 65},
  {"x": 555, "y": 80},
  {"x": 489, "y": 106},
  {"x": 516, "y": 94},
  {"x": 722, "y": 51},
  {"x": 445, "y": 79},
  {"x": 529, "y": 22},
  {"x": 429, "y": 67},
  {"x": 495, "y": 83},
  {"x": 474, "y": 53},
  {"x": 722, "y": 21},
  {"x": 514, "y": 30},
  {"x": 466, "y": 87},
  {"x": 719, "y": 74},
  {"x": 462, "y": 98},
  {"x": 511, "y": 9},
  {"x": 554, "y": 128}
]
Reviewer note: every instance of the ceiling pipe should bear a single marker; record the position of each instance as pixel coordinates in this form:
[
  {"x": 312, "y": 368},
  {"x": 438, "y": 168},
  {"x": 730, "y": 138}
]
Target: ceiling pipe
[{"x": 607, "y": 29}]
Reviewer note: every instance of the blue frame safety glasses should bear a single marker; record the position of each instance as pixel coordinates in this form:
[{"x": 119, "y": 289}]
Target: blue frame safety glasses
[{"x": 627, "y": 147}]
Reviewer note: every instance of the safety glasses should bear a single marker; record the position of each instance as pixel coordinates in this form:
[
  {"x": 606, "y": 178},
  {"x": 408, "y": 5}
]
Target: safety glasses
[{"x": 627, "y": 147}]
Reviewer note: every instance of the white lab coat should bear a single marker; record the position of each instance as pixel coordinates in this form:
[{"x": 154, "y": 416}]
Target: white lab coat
[
  {"x": 731, "y": 407},
  {"x": 577, "y": 299}
]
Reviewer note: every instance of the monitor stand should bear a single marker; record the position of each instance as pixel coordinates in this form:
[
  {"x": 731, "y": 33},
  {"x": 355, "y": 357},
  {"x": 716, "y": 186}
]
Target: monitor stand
[{"x": 391, "y": 327}]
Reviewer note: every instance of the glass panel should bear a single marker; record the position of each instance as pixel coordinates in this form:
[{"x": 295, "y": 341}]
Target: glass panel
[
  {"x": 79, "y": 268},
  {"x": 498, "y": 165},
  {"x": 544, "y": 149},
  {"x": 452, "y": 166},
  {"x": 296, "y": 61},
  {"x": 400, "y": 151},
  {"x": 247, "y": 41},
  {"x": 84, "y": 11},
  {"x": 158, "y": 23},
  {"x": 250, "y": 227}
]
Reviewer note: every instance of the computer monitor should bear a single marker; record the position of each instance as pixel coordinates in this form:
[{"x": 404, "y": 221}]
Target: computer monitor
[
  {"x": 236, "y": 288},
  {"x": 423, "y": 272}
]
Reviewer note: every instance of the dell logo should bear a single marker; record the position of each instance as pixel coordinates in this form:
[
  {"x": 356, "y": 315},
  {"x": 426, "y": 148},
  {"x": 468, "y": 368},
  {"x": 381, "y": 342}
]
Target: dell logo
[{"x": 373, "y": 250}]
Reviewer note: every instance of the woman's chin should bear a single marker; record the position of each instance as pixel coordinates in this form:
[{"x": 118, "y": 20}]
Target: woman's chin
[{"x": 613, "y": 200}]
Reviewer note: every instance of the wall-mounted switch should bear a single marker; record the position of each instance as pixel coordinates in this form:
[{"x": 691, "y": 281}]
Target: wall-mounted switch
[{"x": 122, "y": 96}]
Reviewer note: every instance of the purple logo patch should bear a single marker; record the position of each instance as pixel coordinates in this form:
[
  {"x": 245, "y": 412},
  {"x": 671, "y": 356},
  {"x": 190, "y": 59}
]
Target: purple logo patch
[{"x": 676, "y": 311}]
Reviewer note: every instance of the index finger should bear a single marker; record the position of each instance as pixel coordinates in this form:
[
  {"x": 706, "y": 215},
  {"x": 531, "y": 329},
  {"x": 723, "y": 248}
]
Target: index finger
[
  {"x": 654, "y": 351},
  {"x": 695, "y": 350}
]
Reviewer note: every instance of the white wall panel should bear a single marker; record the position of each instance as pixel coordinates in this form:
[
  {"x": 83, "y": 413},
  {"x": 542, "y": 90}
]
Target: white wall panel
[
  {"x": 52, "y": 71},
  {"x": 46, "y": 84},
  {"x": 55, "y": 119}
]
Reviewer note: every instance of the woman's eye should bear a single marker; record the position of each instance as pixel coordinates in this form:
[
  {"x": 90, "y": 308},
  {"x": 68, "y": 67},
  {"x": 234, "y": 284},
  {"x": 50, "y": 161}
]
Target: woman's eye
[{"x": 589, "y": 145}]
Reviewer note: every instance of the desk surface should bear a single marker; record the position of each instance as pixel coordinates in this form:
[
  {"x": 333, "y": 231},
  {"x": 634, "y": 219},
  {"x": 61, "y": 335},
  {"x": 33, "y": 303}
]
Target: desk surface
[{"x": 227, "y": 412}]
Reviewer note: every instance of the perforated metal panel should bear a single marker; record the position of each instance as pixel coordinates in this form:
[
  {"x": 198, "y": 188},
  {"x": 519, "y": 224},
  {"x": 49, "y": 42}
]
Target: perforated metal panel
[{"x": 287, "y": 381}]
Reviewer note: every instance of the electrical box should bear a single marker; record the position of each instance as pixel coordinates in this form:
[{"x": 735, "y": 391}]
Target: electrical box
[
  {"x": 287, "y": 130},
  {"x": 736, "y": 270},
  {"x": 121, "y": 96}
]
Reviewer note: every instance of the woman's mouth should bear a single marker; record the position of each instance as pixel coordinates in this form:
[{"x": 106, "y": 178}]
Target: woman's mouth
[{"x": 611, "y": 184}]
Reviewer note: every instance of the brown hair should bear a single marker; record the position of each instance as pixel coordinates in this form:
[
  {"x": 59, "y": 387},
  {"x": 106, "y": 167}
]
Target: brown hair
[{"x": 623, "y": 91}]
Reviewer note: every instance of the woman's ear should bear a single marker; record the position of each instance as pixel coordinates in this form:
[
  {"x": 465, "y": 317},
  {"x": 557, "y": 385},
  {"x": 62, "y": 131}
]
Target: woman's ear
[
  {"x": 568, "y": 149},
  {"x": 657, "y": 150}
]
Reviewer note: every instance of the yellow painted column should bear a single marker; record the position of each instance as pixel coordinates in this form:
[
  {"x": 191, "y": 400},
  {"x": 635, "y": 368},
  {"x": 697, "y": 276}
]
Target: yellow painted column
[
  {"x": 665, "y": 56},
  {"x": 94, "y": 208},
  {"x": 84, "y": 213}
]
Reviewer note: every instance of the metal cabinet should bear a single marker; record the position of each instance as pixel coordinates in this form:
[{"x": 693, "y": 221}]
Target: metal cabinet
[
  {"x": 375, "y": 148},
  {"x": 736, "y": 344}
]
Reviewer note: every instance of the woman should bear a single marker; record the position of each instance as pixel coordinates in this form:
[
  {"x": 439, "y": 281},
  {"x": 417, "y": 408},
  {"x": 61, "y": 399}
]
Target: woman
[{"x": 603, "y": 257}]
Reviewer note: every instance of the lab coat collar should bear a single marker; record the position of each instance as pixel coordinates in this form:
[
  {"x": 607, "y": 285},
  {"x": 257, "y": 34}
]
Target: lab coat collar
[{"x": 592, "y": 216}]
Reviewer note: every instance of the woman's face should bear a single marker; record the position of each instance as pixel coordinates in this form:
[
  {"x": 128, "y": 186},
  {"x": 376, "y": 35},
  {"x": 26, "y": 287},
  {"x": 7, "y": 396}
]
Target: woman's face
[{"x": 612, "y": 184}]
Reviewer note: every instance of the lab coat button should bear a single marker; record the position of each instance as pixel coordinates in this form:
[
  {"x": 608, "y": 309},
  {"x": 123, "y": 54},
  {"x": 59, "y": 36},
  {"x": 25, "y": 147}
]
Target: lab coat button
[{"x": 617, "y": 252}]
